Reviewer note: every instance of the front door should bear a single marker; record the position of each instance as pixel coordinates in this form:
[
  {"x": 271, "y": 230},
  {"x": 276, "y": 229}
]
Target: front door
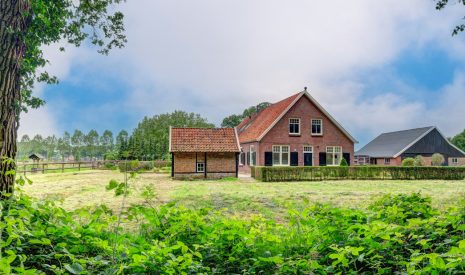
[{"x": 308, "y": 155}]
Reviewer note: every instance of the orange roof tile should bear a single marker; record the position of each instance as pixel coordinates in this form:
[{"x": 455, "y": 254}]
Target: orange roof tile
[
  {"x": 251, "y": 128},
  {"x": 203, "y": 140}
]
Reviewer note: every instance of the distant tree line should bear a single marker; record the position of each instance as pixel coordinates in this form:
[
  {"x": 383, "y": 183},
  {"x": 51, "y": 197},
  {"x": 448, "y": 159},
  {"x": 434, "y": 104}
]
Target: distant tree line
[{"x": 148, "y": 141}]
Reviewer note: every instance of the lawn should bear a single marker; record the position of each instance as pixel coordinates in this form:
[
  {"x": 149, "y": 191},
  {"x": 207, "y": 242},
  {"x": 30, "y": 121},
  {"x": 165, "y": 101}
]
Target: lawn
[{"x": 244, "y": 195}]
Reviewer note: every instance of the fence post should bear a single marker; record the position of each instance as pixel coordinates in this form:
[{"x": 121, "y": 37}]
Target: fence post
[
  {"x": 62, "y": 167},
  {"x": 43, "y": 168},
  {"x": 79, "y": 166}
]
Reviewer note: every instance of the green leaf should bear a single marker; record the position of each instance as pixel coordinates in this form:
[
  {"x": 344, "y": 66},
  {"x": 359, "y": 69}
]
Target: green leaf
[{"x": 74, "y": 268}]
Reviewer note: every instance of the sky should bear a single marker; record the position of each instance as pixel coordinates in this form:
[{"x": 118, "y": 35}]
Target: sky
[{"x": 376, "y": 66}]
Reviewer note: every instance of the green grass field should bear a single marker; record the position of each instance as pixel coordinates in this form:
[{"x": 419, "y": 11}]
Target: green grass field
[{"x": 244, "y": 195}]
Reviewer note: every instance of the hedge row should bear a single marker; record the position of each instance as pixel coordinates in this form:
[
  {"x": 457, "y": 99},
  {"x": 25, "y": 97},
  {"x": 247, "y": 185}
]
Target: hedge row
[{"x": 356, "y": 172}]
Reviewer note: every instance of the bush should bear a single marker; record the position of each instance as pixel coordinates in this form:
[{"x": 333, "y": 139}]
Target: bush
[
  {"x": 408, "y": 162},
  {"x": 302, "y": 173},
  {"x": 419, "y": 161},
  {"x": 399, "y": 234},
  {"x": 437, "y": 159},
  {"x": 343, "y": 162}
]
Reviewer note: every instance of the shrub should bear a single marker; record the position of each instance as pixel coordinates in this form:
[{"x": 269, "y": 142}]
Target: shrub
[
  {"x": 408, "y": 162},
  {"x": 437, "y": 159},
  {"x": 419, "y": 161},
  {"x": 302, "y": 173},
  {"x": 343, "y": 162}
]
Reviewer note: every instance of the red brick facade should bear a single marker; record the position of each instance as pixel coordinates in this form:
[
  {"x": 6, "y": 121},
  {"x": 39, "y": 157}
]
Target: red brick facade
[{"x": 305, "y": 110}]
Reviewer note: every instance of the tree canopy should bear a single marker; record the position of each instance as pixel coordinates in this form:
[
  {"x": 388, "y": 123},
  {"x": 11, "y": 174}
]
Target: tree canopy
[
  {"x": 234, "y": 120},
  {"x": 441, "y": 4},
  {"x": 459, "y": 140}
]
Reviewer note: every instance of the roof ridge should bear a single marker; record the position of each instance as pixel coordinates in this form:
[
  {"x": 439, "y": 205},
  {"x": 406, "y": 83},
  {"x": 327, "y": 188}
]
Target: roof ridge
[{"x": 412, "y": 129}]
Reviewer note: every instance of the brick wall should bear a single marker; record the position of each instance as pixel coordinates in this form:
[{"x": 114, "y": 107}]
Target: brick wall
[
  {"x": 393, "y": 161},
  {"x": 218, "y": 164},
  {"x": 305, "y": 110},
  {"x": 244, "y": 168},
  {"x": 461, "y": 162}
]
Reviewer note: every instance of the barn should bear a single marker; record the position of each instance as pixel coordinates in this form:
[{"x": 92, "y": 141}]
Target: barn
[{"x": 204, "y": 152}]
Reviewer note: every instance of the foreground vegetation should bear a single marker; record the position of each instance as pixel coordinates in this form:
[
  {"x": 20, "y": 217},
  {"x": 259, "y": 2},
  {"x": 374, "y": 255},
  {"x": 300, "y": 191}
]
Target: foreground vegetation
[{"x": 401, "y": 233}]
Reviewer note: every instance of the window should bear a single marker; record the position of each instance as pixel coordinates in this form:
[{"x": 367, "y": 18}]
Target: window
[
  {"x": 294, "y": 126},
  {"x": 387, "y": 161},
  {"x": 308, "y": 149},
  {"x": 455, "y": 161},
  {"x": 200, "y": 167},
  {"x": 317, "y": 127},
  {"x": 241, "y": 158},
  {"x": 253, "y": 156},
  {"x": 281, "y": 155},
  {"x": 333, "y": 155}
]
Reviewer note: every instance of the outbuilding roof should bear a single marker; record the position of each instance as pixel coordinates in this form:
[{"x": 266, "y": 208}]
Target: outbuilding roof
[
  {"x": 392, "y": 144},
  {"x": 204, "y": 140},
  {"x": 255, "y": 127}
]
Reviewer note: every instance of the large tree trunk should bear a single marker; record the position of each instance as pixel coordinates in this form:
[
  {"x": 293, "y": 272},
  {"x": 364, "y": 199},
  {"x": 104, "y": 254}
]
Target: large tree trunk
[{"x": 12, "y": 48}]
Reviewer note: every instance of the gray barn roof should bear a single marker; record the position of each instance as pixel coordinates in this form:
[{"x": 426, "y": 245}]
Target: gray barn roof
[{"x": 393, "y": 143}]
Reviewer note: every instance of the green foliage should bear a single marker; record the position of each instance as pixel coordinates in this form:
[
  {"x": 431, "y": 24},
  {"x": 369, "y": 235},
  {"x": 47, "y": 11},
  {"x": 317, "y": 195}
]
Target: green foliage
[
  {"x": 48, "y": 22},
  {"x": 459, "y": 140},
  {"x": 441, "y": 4},
  {"x": 408, "y": 162},
  {"x": 136, "y": 166},
  {"x": 437, "y": 159},
  {"x": 234, "y": 120},
  {"x": 343, "y": 162},
  {"x": 316, "y": 173},
  {"x": 396, "y": 235},
  {"x": 150, "y": 140},
  {"x": 419, "y": 161}
]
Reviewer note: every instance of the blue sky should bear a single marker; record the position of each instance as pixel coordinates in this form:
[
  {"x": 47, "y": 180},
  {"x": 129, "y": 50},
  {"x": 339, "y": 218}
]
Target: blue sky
[{"x": 375, "y": 66}]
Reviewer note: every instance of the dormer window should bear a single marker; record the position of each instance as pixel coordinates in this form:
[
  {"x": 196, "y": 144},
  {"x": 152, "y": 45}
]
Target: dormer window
[
  {"x": 317, "y": 127},
  {"x": 294, "y": 126}
]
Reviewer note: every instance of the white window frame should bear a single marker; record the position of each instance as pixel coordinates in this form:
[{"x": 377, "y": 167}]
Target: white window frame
[
  {"x": 281, "y": 155},
  {"x": 251, "y": 151},
  {"x": 296, "y": 121},
  {"x": 202, "y": 170},
  {"x": 240, "y": 158},
  {"x": 334, "y": 155},
  {"x": 307, "y": 149},
  {"x": 321, "y": 126},
  {"x": 387, "y": 161},
  {"x": 454, "y": 161}
]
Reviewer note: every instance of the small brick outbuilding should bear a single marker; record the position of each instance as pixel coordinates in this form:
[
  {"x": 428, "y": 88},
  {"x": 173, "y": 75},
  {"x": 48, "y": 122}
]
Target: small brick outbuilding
[{"x": 204, "y": 152}]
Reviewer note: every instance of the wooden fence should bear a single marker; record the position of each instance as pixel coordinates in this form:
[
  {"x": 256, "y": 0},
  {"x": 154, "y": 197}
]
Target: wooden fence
[{"x": 44, "y": 167}]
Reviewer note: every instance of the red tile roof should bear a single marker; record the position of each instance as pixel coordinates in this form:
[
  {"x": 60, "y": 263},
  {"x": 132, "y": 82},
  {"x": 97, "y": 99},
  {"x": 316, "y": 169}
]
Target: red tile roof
[
  {"x": 204, "y": 140},
  {"x": 251, "y": 128}
]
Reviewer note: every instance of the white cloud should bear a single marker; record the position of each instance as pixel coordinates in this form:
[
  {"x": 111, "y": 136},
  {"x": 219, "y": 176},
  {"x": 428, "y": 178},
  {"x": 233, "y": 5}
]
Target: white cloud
[
  {"x": 38, "y": 121},
  {"x": 218, "y": 57}
]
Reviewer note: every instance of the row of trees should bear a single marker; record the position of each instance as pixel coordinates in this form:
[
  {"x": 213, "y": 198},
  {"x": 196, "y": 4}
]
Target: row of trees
[
  {"x": 459, "y": 140},
  {"x": 79, "y": 145},
  {"x": 149, "y": 141}
]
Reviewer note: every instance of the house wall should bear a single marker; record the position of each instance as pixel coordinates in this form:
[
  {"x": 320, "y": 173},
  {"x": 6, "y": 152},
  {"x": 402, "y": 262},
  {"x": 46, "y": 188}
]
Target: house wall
[
  {"x": 393, "y": 161},
  {"x": 218, "y": 165},
  {"x": 305, "y": 110},
  {"x": 461, "y": 162}
]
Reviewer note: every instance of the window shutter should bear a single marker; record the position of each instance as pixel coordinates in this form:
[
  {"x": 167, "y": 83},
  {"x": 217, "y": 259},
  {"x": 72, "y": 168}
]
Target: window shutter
[
  {"x": 294, "y": 158},
  {"x": 243, "y": 159},
  {"x": 322, "y": 159},
  {"x": 268, "y": 158},
  {"x": 248, "y": 158},
  {"x": 346, "y": 156}
]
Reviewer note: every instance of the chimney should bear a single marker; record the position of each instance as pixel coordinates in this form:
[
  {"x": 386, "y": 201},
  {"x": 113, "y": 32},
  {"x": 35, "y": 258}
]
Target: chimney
[{"x": 305, "y": 89}]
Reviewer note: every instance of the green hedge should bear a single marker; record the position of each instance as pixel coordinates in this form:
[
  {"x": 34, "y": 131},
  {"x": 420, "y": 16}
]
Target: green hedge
[{"x": 356, "y": 172}]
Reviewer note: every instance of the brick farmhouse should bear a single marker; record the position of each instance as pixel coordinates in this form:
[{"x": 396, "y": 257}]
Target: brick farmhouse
[
  {"x": 204, "y": 153},
  {"x": 393, "y": 147},
  {"x": 296, "y": 131}
]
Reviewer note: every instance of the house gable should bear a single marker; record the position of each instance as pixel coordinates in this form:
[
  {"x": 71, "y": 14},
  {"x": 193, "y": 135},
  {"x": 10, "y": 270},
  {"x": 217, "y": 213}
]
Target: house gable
[
  {"x": 306, "y": 110},
  {"x": 433, "y": 142},
  {"x": 257, "y": 127}
]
